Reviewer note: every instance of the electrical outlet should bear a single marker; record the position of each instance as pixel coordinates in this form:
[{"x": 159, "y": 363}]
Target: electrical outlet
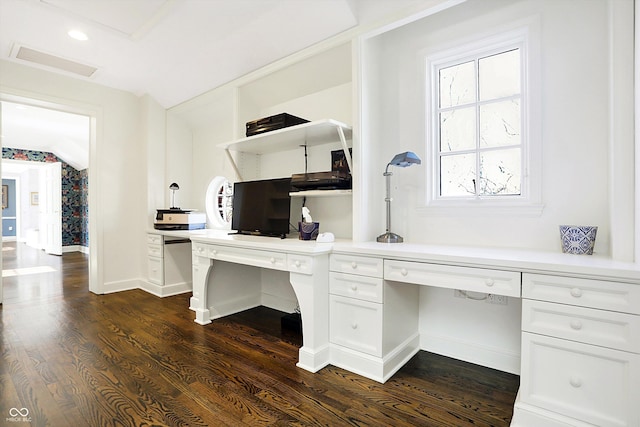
[{"x": 497, "y": 299}]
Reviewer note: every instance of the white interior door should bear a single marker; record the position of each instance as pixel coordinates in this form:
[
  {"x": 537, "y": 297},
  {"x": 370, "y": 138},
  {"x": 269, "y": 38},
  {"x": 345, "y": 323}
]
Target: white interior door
[{"x": 51, "y": 208}]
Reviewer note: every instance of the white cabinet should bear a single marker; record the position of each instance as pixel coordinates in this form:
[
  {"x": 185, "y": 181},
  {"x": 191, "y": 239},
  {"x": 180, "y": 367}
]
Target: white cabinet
[
  {"x": 168, "y": 265},
  {"x": 155, "y": 267},
  {"x": 373, "y": 324},
  {"x": 356, "y": 324},
  {"x": 593, "y": 384},
  {"x": 581, "y": 350}
]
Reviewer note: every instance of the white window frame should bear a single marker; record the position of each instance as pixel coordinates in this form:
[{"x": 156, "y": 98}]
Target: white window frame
[
  {"x": 528, "y": 203},
  {"x": 214, "y": 209}
]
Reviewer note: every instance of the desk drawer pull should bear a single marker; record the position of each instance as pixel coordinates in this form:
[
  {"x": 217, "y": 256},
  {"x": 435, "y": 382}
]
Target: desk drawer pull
[
  {"x": 489, "y": 282},
  {"x": 272, "y": 260},
  {"x": 354, "y": 326},
  {"x": 354, "y": 288},
  {"x": 214, "y": 252},
  {"x": 200, "y": 249},
  {"x": 576, "y": 292},
  {"x": 575, "y": 382},
  {"x": 404, "y": 272},
  {"x": 576, "y": 325},
  {"x": 354, "y": 265}
]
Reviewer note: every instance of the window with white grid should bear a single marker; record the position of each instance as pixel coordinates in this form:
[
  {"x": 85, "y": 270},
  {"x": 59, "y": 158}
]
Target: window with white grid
[{"x": 478, "y": 144}]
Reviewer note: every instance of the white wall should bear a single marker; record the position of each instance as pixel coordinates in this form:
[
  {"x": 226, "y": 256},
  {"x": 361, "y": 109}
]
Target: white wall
[
  {"x": 471, "y": 329},
  {"x": 637, "y": 127},
  {"x": 179, "y": 165},
  {"x": 621, "y": 130},
  {"x": 201, "y": 124},
  {"x": 29, "y": 214},
  {"x": 575, "y": 104},
  {"x": 117, "y": 177},
  {"x": 154, "y": 135}
]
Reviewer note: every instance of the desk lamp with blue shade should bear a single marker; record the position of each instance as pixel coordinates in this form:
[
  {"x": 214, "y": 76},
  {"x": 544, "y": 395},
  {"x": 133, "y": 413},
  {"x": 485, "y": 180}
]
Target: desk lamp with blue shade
[{"x": 402, "y": 160}]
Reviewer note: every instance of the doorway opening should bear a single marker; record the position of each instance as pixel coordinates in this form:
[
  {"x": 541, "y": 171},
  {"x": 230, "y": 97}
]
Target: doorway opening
[{"x": 50, "y": 145}]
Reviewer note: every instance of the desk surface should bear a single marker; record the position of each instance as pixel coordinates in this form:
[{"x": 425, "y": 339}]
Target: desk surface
[
  {"x": 222, "y": 237},
  {"x": 526, "y": 261},
  {"x": 589, "y": 266}
]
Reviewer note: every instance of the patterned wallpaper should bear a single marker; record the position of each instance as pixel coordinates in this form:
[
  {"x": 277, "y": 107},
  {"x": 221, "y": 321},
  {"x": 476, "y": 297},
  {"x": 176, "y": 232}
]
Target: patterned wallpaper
[{"x": 75, "y": 192}]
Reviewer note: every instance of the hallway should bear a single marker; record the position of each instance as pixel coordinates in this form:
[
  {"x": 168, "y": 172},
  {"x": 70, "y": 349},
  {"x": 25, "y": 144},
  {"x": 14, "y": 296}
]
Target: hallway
[{"x": 30, "y": 274}]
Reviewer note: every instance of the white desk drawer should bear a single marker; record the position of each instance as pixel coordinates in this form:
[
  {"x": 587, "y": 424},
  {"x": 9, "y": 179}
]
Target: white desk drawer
[
  {"x": 154, "y": 250},
  {"x": 155, "y": 270},
  {"x": 604, "y": 328},
  {"x": 254, "y": 257},
  {"x": 613, "y": 296},
  {"x": 593, "y": 384},
  {"x": 496, "y": 282},
  {"x": 356, "y": 324},
  {"x": 154, "y": 239},
  {"x": 300, "y": 263},
  {"x": 353, "y": 286},
  {"x": 364, "y": 266},
  {"x": 200, "y": 249}
]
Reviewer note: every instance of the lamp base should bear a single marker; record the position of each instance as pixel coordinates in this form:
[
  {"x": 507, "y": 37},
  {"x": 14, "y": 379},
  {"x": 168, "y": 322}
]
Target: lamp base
[{"x": 389, "y": 237}]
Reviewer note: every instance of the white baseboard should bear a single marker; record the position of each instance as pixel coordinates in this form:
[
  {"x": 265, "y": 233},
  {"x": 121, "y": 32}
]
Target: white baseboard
[
  {"x": 279, "y": 303},
  {"x": 9, "y": 238},
  {"x": 232, "y": 306},
  {"x": 166, "y": 291},
  {"x": 75, "y": 248},
  {"x": 471, "y": 352},
  {"x": 313, "y": 361},
  {"x": 124, "y": 285},
  {"x": 525, "y": 415},
  {"x": 372, "y": 367}
]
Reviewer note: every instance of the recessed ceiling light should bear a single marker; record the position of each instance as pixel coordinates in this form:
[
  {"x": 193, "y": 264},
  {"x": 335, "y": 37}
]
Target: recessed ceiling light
[{"x": 78, "y": 35}]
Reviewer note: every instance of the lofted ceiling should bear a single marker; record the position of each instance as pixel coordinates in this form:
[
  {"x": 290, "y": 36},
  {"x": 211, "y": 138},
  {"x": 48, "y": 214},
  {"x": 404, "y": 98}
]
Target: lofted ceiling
[{"x": 172, "y": 50}]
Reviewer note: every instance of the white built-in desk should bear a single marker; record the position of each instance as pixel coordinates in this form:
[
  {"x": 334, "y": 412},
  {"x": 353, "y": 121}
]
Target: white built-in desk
[
  {"x": 307, "y": 263},
  {"x": 580, "y": 356}
]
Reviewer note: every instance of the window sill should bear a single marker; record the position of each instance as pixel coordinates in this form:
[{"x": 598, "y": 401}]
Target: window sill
[{"x": 473, "y": 208}]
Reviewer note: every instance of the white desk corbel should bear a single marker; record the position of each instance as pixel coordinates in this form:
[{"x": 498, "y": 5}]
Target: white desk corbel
[{"x": 308, "y": 267}]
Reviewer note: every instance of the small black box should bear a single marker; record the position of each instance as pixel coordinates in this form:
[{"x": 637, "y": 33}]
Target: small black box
[{"x": 267, "y": 124}]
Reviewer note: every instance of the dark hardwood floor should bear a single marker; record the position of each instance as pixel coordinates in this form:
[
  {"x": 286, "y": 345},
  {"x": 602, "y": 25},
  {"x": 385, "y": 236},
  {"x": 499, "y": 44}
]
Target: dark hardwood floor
[{"x": 72, "y": 358}]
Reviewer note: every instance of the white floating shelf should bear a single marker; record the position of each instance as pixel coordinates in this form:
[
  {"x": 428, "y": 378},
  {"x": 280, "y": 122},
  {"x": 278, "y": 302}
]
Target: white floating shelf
[
  {"x": 320, "y": 193},
  {"x": 312, "y": 133}
]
